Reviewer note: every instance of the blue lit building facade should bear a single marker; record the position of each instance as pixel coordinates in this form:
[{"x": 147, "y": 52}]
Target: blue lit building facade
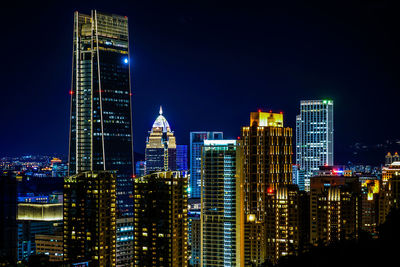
[
  {"x": 220, "y": 213},
  {"x": 298, "y": 176},
  {"x": 140, "y": 168},
  {"x": 196, "y": 142},
  {"x": 314, "y": 137},
  {"x": 181, "y": 158}
]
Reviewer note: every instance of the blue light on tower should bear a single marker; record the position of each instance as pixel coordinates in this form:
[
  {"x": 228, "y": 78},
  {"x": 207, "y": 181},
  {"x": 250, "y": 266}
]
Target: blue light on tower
[{"x": 126, "y": 60}]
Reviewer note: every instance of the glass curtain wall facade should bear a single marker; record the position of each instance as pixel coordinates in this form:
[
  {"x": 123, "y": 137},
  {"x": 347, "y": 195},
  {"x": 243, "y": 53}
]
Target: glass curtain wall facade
[
  {"x": 314, "y": 137},
  {"x": 181, "y": 158},
  {"x": 101, "y": 121},
  {"x": 196, "y": 142},
  {"x": 220, "y": 213}
]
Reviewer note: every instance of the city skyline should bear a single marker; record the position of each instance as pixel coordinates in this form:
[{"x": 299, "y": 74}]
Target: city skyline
[
  {"x": 280, "y": 73},
  {"x": 273, "y": 193}
]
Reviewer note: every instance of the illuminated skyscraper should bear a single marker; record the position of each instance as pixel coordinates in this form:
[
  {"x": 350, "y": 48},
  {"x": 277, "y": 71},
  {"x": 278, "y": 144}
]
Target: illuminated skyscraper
[
  {"x": 221, "y": 210},
  {"x": 196, "y": 142},
  {"x": 90, "y": 218},
  {"x": 160, "y": 224},
  {"x": 101, "y": 121},
  {"x": 160, "y": 150},
  {"x": 314, "y": 136},
  {"x": 270, "y": 199}
]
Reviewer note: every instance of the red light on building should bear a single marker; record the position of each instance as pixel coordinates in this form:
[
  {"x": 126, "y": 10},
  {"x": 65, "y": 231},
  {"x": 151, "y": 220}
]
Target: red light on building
[
  {"x": 259, "y": 110},
  {"x": 238, "y": 138},
  {"x": 281, "y": 112},
  {"x": 270, "y": 190},
  {"x": 71, "y": 92},
  {"x": 270, "y": 111}
]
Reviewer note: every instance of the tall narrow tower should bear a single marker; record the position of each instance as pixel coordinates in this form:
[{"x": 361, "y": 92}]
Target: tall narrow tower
[
  {"x": 101, "y": 121},
  {"x": 314, "y": 137}
]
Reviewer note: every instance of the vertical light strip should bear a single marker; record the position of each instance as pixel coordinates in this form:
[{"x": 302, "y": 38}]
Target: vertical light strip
[
  {"x": 130, "y": 99},
  {"x": 76, "y": 92},
  {"x": 71, "y": 92},
  {"x": 91, "y": 98},
  {"x": 101, "y": 100}
]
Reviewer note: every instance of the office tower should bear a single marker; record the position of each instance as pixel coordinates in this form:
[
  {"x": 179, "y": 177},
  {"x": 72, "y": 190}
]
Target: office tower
[
  {"x": 8, "y": 219},
  {"x": 101, "y": 122},
  {"x": 298, "y": 176},
  {"x": 161, "y": 219},
  {"x": 181, "y": 158},
  {"x": 90, "y": 218},
  {"x": 314, "y": 136},
  {"x": 267, "y": 147},
  {"x": 221, "y": 213},
  {"x": 51, "y": 245},
  {"x": 194, "y": 236},
  {"x": 335, "y": 206},
  {"x": 160, "y": 150},
  {"x": 196, "y": 142},
  {"x": 140, "y": 168}
]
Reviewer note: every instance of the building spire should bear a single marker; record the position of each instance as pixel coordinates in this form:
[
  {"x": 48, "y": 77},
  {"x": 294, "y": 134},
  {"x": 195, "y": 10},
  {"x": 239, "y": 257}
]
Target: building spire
[{"x": 160, "y": 110}]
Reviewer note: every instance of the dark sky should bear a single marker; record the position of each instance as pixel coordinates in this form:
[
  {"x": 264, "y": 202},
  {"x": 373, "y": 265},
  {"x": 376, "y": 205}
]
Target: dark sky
[{"x": 209, "y": 66}]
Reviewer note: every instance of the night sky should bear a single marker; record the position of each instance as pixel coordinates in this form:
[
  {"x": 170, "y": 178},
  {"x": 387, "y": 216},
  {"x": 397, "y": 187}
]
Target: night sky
[{"x": 209, "y": 66}]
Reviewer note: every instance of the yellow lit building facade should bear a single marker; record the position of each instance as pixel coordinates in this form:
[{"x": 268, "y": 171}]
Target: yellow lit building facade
[
  {"x": 160, "y": 220},
  {"x": 270, "y": 229},
  {"x": 90, "y": 218},
  {"x": 335, "y": 208}
]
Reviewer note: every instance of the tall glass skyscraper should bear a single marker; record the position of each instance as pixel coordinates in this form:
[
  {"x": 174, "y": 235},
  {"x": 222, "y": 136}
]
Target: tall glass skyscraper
[
  {"x": 314, "y": 136},
  {"x": 101, "y": 121},
  {"x": 220, "y": 204},
  {"x": 196, "y": 142}
]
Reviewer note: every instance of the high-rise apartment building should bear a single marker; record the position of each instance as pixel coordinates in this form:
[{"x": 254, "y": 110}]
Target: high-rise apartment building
[
  {"x": 267, "y": 181},
  {"x": 90, "y": 218},
  {"x": 196, "y": 142},
  {"x": 160, "y": 152},
  {"x": 160, "y": 221},
  {"x": 314, "y": 136},
  {"x": 101, "y": 121},
  {"x": 335, "y": 206},
  {"x": 221, "y": 208}
]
